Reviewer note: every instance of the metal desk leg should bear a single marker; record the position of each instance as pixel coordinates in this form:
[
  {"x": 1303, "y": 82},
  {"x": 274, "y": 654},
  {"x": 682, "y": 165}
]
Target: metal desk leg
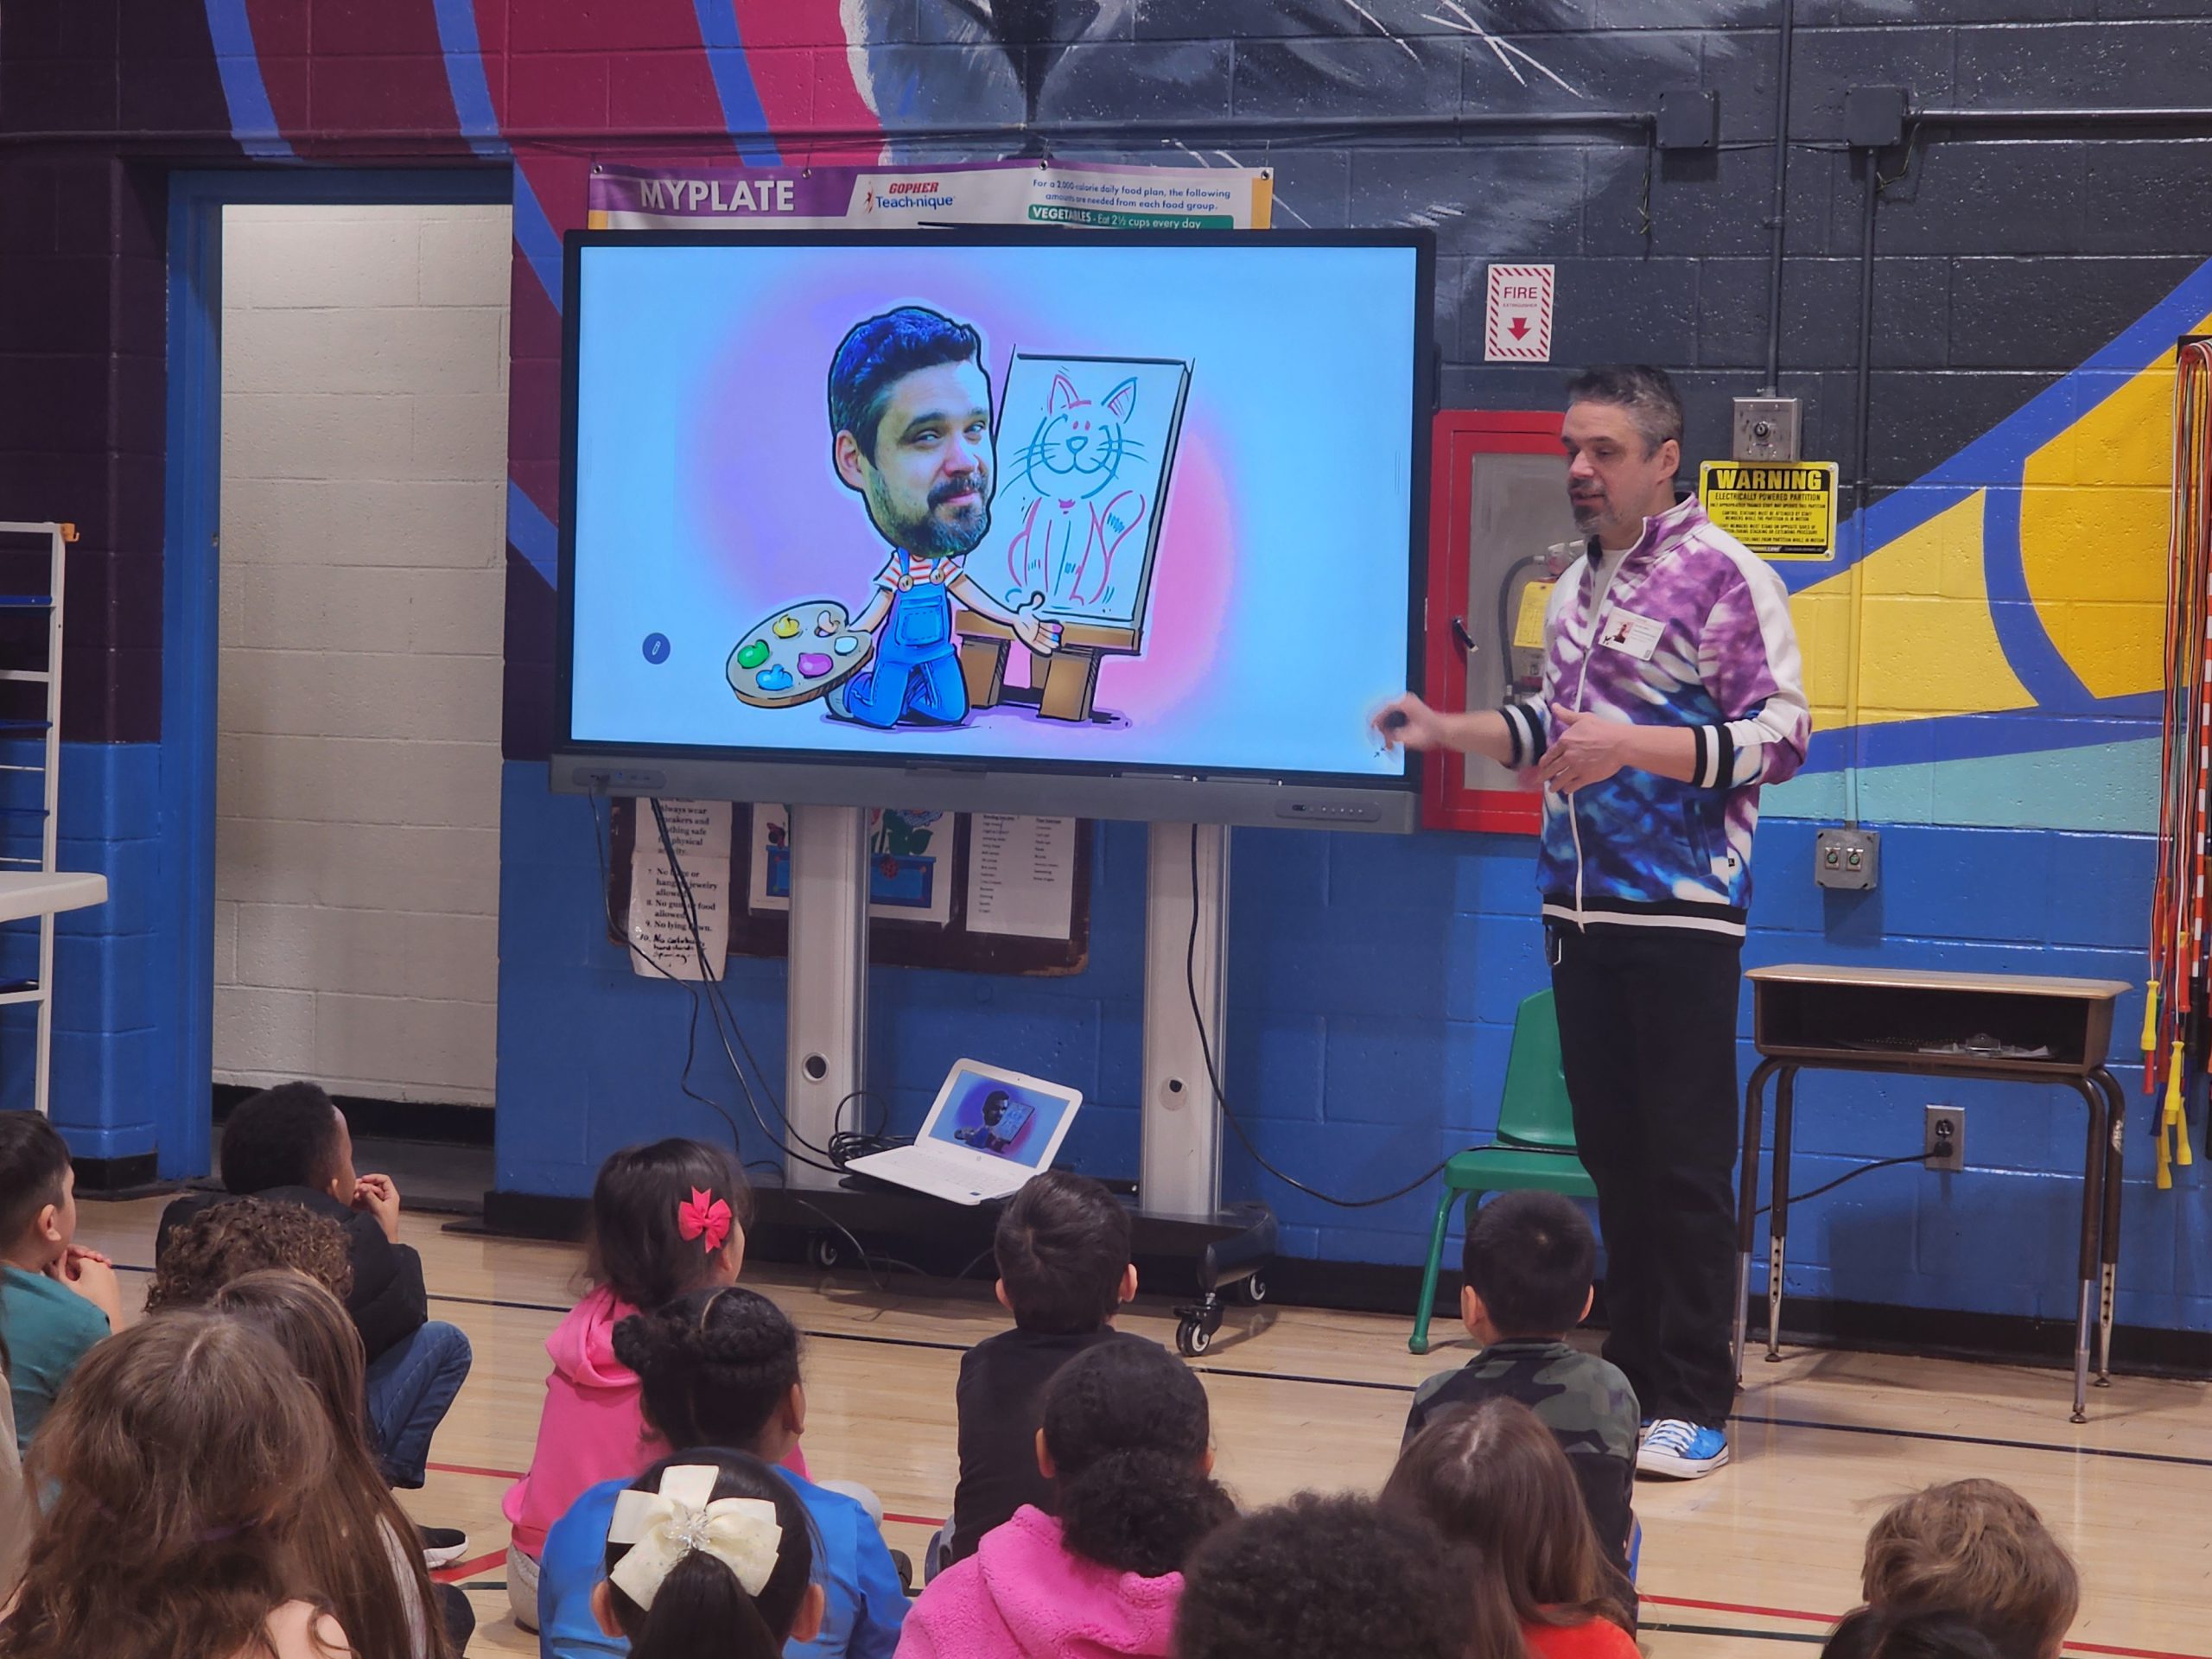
[
  {"x": 1777, "y": 1225},
  {"x": 2108, "y": 1272},
  {"x": 2092, "y": 1212},
  {"x": 1747, "y": 1204}
]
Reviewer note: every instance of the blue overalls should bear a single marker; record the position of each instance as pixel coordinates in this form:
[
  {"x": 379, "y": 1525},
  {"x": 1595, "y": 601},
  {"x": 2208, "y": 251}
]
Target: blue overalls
[{"x": 916, "y": 668}]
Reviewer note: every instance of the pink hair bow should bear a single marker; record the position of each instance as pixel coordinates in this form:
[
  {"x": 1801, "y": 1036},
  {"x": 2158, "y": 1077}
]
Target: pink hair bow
[{"x": 705, "y": 1217}]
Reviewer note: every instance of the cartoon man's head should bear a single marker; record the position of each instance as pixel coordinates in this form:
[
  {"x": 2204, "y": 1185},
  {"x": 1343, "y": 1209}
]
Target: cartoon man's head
[{"x": 910, "y": 417}]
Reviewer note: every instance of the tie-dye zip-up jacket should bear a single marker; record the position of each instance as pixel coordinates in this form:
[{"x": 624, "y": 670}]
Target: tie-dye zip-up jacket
[{"x": 1694, "y": 629}]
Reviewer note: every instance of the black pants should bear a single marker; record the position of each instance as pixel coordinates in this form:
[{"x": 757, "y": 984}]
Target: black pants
[{"x": 1647, "y": 1026}]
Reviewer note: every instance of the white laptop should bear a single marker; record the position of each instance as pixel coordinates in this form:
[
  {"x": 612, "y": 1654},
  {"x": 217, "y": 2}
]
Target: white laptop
[{"x": 990, "y": 1130}]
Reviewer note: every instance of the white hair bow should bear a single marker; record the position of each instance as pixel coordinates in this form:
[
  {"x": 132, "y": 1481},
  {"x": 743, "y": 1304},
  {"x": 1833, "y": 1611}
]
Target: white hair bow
[{"x": 661, "y": 1528}]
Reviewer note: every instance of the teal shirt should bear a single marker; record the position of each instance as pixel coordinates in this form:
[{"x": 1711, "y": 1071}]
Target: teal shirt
[{"x": 48, "y": 1328}]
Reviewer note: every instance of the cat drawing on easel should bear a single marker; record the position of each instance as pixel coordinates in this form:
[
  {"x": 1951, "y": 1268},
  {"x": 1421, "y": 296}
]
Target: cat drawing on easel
[{"x": 1072, "y": 530}]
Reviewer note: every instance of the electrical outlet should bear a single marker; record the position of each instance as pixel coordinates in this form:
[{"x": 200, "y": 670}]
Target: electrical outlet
[
  {"x": 1945, "y": 1137},
  {"x": 1847, "y": 859}
]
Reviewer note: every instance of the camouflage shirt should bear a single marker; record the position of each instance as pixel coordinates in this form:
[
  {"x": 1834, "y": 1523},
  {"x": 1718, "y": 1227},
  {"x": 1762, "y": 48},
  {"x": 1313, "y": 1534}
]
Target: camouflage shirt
[{"x": 1586, "y": 1403}]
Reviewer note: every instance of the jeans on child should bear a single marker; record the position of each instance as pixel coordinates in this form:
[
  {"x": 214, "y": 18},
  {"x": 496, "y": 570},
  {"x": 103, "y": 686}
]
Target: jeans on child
[{"x": 412, "y": 1386}]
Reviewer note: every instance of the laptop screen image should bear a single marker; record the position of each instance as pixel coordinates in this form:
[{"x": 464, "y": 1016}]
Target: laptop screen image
[{"x": 991, "y": 1114}]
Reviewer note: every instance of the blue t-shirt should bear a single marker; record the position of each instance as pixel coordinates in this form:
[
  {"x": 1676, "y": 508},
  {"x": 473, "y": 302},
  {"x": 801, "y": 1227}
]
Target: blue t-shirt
[
  {"x": 48, "y": 1328},
  {"x": 866, "y": 1602}
]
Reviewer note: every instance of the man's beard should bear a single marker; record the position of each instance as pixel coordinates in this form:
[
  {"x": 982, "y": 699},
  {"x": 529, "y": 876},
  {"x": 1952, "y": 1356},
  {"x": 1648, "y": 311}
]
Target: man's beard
[
  {"x": 1592, "y": 514},
  {"x": 930, "y": 535}
]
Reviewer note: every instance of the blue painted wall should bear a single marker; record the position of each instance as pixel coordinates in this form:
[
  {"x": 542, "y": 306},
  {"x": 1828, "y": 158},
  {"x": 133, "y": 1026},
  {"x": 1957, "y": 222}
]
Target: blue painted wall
[
  {"x": 114, "y": 1015},
  {"x": 1372, "y": 986}
]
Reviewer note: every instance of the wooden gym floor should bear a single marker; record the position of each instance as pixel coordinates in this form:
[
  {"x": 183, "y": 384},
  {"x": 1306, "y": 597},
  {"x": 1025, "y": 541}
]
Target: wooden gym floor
[{"x": 1757, "y": 1560}]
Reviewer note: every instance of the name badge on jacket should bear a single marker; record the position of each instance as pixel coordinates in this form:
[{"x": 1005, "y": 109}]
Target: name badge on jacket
[{"x": 1625, "y": 631}]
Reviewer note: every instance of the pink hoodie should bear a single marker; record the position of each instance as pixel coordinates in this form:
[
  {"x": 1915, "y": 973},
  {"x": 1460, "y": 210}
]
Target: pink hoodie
[
  {"x": 1023, "y": 1595},
  {"x": 592, "y": 1428}
]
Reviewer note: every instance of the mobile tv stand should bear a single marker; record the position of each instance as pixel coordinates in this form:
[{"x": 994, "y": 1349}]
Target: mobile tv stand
[{"x": 1177, "y": 1214}]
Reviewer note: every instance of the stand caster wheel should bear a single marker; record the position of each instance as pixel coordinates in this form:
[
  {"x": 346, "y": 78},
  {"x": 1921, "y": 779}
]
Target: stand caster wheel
[
  {"x": 1193, "y": 1339},
  {"x": 1253, "y": 1291},
  {"x": 824, "y": 1251}
]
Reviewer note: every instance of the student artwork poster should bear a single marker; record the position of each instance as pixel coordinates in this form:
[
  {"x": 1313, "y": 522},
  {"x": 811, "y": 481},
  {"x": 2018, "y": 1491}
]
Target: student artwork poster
[{"x": 1192, "y": 463}]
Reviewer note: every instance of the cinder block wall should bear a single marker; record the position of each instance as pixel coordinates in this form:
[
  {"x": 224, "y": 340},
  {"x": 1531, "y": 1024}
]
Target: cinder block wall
[{"x": 362, "y": 597}]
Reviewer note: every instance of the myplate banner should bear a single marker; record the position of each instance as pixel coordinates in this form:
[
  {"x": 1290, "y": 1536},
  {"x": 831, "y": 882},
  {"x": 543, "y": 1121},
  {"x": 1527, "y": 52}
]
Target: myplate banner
[{"x": 727, "y": 195}]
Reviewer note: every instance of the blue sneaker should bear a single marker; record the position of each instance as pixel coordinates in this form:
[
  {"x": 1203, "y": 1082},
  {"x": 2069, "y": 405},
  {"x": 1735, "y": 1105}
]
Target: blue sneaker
[{"x": 1680, "y": 1450}]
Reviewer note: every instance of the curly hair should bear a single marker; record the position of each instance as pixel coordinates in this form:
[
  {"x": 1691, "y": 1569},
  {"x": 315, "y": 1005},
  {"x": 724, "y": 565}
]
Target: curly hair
[
  {"x": 878, "y": 352},
  {"x": 237, "y": 1237},
  {"x": 1127, "y": 1426},
  {"x": 1978, "y": 1547},
  {"x": 713, "y": 1365},
  {"x": 1319, "y": 1577}
]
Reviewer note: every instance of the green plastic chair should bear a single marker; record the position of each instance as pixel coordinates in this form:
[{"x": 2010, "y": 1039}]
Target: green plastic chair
[{"x": 1535, "y": 1148}]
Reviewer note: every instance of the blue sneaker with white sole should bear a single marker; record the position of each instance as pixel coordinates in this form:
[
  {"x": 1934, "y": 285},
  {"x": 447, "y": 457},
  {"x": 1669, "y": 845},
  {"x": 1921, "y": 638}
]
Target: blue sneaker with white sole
[{"x": 1681, "y": 1450}]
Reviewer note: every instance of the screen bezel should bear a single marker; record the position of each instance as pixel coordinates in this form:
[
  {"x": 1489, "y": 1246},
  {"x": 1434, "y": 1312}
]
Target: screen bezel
[{"x": 1176, "y": 792}]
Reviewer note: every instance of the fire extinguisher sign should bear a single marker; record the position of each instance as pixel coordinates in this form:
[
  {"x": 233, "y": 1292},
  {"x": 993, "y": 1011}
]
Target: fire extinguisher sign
[{"x": 1517, "y": 315}]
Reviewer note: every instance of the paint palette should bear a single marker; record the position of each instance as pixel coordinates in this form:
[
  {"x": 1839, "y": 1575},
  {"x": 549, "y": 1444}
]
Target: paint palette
[{"x": 796, "y": 654}]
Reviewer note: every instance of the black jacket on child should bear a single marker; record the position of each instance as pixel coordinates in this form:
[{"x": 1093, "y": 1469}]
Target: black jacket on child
[
  {"x": 1000, "y": 1398},
  {"x": 389, "y": 1302}
]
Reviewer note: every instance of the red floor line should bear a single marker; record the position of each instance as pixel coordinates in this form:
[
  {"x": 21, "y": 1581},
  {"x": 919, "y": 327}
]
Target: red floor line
[
  {"x": 1739, "y": 1607},
  {"x": 466, "y": 1469},
  {"x": 914, "y": 1520},
  {"x": 461, "y": 1570}
]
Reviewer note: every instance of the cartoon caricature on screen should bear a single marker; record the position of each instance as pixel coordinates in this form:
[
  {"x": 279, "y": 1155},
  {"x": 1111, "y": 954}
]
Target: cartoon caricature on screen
[
  {"x": 1071, "y": 544},
  {"x": 1004, "y": 1119},
  {"x": 910, "y": 423}
]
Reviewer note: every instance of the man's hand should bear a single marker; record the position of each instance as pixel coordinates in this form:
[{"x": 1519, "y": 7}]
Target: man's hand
[
  {"x": 88, "y": 1274},
  {"x": 379, "y": 1198},
  {"x": 1039, "y": 636},
  {"x": 1589, "y": 749},
  {"x": 1410, "y": 723}
]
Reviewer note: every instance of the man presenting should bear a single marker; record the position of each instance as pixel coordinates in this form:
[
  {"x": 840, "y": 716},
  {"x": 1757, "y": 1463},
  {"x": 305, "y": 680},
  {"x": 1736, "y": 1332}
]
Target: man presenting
[{"x": 1671, "y": 694}]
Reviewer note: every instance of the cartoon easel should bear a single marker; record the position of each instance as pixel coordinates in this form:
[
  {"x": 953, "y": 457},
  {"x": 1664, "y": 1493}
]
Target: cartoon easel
[
  {"x": 1099, "y": 611},
  {"x": 1071, "y": 678}
]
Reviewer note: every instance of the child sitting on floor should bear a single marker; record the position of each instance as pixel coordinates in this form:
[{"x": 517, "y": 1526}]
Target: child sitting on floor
[
  {"x": 1325, "y": 1578},
  {"x": 666, "y": 1218},
  {"x": 1126, "y": 1449},
  {"x": 291, "y": 1145},
  {"x": 1063, "y": 1252},
  {"x": 178, "y": 1463},
  {"x": 1976, "y": 1547},
  {"x": 1530, "y": 1259},
  {"x": 229, "y": 1240},
  {"x": 1867, "y": 1634},
  {"x": 720, "y": 1368},
  {"x": 708, "y": 1556},
  {"x": 1491, "y": 1477},
  {"x": 56, "y": 1301},
  {"x": 356, "y": 1542}
]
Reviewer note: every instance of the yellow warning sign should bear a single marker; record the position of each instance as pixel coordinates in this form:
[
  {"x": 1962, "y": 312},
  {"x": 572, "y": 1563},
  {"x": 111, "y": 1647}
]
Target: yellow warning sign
[
  {"x": 1782, "y": 509},
  {"x": 1528, "y": 623}
]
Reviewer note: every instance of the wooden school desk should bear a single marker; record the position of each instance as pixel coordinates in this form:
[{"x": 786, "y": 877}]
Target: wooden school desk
[{"x": 1996, "y": 1027}]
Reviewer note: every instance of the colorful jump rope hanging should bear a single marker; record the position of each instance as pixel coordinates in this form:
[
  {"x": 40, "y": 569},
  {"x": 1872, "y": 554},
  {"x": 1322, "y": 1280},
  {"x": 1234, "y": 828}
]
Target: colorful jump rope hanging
[{"x": 2175, "y": 1030}]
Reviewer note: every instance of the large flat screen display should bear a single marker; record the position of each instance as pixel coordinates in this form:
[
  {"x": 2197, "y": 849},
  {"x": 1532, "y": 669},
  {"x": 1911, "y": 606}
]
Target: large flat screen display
[{"x": 1119, "y": 523}]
